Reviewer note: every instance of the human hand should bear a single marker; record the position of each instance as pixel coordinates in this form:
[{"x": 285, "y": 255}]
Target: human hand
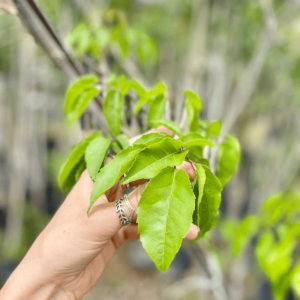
[{"x": 69, "y": 256}]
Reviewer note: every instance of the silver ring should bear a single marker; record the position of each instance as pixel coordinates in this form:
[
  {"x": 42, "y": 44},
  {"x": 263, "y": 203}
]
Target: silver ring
[
  {"x": 125, "y": 221},
  {"x": 129, "y": 207}
]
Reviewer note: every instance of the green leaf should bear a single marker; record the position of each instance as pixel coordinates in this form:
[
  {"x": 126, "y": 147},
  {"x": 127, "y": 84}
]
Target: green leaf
[
  {"x": 72, "y": 177},
  {"x": 147, "y": 96},
  {"x": 95, "y": 155},
  {"x": 200, "y": 178},
  {"x": 196, "y": 154},
  {"x": 295, "y": 279},
  {"x": 116, "y": 147},
  {"x": 74, "y": 158},
  {"x": 280, "y": 205},
  {"x": 195, "y": 139},
  {"x": 151, "y": 138},
  {"x": 112, "y": 109},
  {"x": 124, "y": 85},
  {"x": 165, "y": 214},
  {"x": 193, "y": 106},
  {"x": 112, "y": 172},
  {"x": 123, "y": 140},
  {"x": 79, "y": 169},
  {"x": 228, "y": 159},
  {"x": 193, "y": 99},
  {"x": 274, "y": 258},
  {"x": 273, "y": 208},
  {"x": 81, "y": 103},
  {"x": 244, "y": 233},
  {"x": 204, "y": 162},
  {"x": 192, "y": 117},
  {"x": 137, "y": 87},
  {"x": 144, "y": 99},
  {"x": 160, "y": 88},
  {"x": 210, "y": 203},
  {"x": 174, "y": 127},
  {"x": 157, "y": 108},
  {"x": 79, "y": 39},
  {"x": 76, "y": 89},
  {"x": 214, "y": 129},
  {"x": 154, "y": 158}
]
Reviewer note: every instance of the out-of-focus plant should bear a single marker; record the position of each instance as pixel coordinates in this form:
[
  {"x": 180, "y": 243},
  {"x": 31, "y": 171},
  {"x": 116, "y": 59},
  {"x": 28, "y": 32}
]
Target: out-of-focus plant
[
  {"x": 113, "y": 35},
  {"x": 275, "y": 233}
]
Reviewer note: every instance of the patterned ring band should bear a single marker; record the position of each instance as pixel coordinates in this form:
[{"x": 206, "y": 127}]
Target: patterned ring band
[
  {"x": 129, "y": 207},
  {"x": 125, "y": 221}
]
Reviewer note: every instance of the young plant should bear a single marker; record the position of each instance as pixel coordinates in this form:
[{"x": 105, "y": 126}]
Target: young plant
[
  {"x": 276, "y": 233},
  {"x": 169, "y": 202}
]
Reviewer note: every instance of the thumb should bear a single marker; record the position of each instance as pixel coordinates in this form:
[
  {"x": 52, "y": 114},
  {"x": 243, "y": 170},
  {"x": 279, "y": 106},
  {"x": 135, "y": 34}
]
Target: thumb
[{"x": 104, "y": 218}]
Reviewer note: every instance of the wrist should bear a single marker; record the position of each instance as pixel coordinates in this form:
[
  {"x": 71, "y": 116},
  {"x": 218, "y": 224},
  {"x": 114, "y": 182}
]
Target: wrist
[
  {"x": 19, "y": 290},
  {"x": 27, "y": 282}
]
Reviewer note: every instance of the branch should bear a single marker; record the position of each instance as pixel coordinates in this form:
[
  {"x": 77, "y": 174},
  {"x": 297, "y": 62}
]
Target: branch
[
  {"x": 45, "y": 36},
  {"x": 195, "y": 56}
]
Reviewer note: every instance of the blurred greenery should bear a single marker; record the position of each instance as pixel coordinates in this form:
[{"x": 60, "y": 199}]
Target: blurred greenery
[{"x": 206, "y": 46}]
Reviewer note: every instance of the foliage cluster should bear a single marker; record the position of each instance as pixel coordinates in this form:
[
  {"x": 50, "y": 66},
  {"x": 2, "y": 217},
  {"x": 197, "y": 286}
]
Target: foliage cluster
[
  {"x": 275, "y": 232},
  {"x": 168, "y": 204}
]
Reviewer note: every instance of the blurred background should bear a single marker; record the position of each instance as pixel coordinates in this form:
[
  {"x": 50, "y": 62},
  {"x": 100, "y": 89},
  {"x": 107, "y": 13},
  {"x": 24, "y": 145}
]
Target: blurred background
[{"x": 241, "y": 57}]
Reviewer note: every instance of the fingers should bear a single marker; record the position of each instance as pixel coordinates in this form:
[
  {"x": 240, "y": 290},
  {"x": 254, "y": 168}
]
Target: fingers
[
  {"x": 134, "y": 198},
  {"x": 159, "y": 129},
  {"x": 127, "y": 233},
  {"x": 105, "y": 219},
  {"x": 189, "y": 169},
  {"x": 193, "y": 232}
]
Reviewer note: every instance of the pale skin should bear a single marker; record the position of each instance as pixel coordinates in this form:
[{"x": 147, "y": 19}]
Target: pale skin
[{"x": 70, "y": 254}]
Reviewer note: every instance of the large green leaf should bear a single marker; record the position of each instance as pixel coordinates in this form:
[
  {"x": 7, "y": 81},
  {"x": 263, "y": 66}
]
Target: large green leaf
[
  {"x": 193, "y": 106},
  {"x": 200, "y": 178},
  {"x": 76, "y": 89},
  {"x": 95, "y": 155},
  {"x": 112, "y": 172},
  {"x": 229, "y": 157},
  {"x": 174, "y": 127},
  {"x": 74, "y": 158},
  {"x": 154, "y": 158},
  {"x": 165, "y": 214},
  {"x": 210, "y": 203},
  {"x": 157, "y": 108},
  {"x": 81, "y": 103},
  {"x": 112, "y": 109},
  {"x": 195, "y": 139}
]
